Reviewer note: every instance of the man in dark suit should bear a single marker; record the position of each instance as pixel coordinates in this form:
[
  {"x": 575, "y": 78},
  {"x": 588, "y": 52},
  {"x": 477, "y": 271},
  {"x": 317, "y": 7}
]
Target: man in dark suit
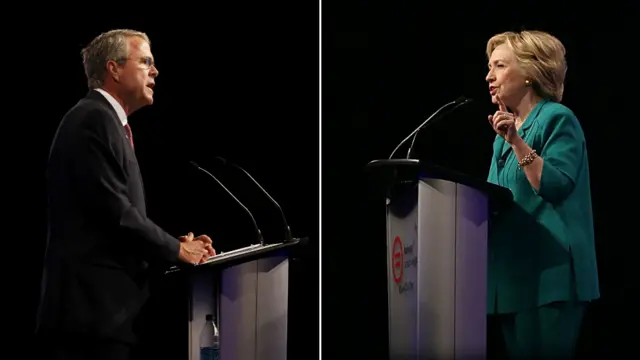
[{"x": 100, "y": 240}]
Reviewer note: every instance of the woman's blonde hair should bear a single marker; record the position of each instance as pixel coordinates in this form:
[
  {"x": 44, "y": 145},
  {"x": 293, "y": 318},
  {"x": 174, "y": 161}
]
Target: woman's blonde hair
[{"x": 540, "y": 55}]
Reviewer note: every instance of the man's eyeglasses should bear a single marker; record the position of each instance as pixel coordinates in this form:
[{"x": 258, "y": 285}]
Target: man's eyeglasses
[{"x": 147, "y": 61}]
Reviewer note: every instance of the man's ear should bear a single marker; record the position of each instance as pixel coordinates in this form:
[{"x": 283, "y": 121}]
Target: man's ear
[{"x": 113, "y": 70}]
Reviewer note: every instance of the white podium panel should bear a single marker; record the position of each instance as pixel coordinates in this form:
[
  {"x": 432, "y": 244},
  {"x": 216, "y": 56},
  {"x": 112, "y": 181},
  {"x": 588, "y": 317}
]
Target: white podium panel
[
  {"x": 250, "y": 302},
  {"x": 436, "y": 260}
]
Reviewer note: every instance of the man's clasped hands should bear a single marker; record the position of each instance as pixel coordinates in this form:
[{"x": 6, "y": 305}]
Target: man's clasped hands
[{"x": 195, "y": 250}]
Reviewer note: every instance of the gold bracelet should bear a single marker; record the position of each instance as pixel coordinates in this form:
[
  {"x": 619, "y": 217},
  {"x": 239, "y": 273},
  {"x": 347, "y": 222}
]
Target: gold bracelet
[{"x": 527, "y": 159}]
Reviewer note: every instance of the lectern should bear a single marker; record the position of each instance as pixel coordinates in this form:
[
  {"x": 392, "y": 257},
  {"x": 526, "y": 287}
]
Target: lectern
[
  {"x": 437, "y": 231},
  {"x": 246, "y": 291}
]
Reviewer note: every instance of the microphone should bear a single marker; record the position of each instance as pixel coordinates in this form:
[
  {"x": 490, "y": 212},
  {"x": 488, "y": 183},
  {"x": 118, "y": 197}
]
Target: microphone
[
  {"x": 456, "y": 103},
  {"x": 255, "y": 224},
  {"x": 287, "y": 230}
]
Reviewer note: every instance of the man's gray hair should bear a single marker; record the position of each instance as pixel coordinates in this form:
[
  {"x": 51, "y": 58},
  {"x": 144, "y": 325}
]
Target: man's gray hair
[{"x": 111, "y": 45}]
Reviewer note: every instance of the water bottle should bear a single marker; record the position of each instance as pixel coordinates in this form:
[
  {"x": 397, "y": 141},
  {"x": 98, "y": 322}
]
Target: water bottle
[{"x": 209, "y": 340}]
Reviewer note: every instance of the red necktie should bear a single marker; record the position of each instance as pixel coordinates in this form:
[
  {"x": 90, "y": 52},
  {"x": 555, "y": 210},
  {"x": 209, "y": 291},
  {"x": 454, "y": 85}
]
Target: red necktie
[{"x": 127, "y": 129}]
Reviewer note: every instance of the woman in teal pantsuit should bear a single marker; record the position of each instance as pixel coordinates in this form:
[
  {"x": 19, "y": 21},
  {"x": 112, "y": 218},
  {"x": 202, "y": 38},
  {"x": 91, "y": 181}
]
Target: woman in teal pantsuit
[{"x": 542, "y": 262}]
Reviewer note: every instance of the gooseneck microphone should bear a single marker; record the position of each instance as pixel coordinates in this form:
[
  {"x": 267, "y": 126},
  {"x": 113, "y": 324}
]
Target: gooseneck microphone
[
  {"x": 287, "y": 230},
  {"x": 253, "y": 220},
  {"x": 456, "y": 103}
]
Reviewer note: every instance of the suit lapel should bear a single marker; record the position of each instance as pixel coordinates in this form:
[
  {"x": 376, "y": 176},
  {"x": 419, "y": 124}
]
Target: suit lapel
[
  {"x": 130, "y": 153},
  {"x": 498, "y": 146},
  {"x": 95, "y": 95}
]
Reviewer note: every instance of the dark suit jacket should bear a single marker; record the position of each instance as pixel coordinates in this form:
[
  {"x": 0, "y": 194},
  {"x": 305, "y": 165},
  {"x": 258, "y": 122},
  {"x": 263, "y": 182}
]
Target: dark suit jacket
[
  {"x": 542, "y": 250},
  {"x": 100, "y": 240}
]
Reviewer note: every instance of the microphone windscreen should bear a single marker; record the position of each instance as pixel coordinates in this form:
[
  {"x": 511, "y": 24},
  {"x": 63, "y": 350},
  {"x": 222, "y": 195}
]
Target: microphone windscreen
[{"x": 462, "y": 100}]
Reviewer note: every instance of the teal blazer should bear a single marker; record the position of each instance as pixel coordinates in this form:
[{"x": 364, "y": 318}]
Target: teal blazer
[{"x": 541, "y": 249}]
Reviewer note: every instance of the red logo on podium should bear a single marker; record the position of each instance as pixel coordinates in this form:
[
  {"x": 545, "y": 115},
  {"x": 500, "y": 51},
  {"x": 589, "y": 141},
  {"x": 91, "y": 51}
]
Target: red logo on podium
[{"x": 397, "y": 260}]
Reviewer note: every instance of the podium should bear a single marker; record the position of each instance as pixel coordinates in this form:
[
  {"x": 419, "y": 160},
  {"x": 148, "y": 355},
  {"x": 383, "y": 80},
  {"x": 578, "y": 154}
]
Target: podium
[
  {"x": 437, "y": 224},
  {"x": 246, "y": 291}
]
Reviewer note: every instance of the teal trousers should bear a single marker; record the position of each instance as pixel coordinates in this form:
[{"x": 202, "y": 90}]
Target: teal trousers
[{"x": 546, "y": 332}]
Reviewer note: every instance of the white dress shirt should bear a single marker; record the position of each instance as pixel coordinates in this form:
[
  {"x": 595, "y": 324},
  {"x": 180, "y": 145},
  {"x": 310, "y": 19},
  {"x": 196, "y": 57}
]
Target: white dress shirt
[{"x": 116, "y": 105}]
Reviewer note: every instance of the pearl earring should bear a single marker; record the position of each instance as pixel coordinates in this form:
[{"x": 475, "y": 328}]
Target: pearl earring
[{"x": 527, "y": 82}]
